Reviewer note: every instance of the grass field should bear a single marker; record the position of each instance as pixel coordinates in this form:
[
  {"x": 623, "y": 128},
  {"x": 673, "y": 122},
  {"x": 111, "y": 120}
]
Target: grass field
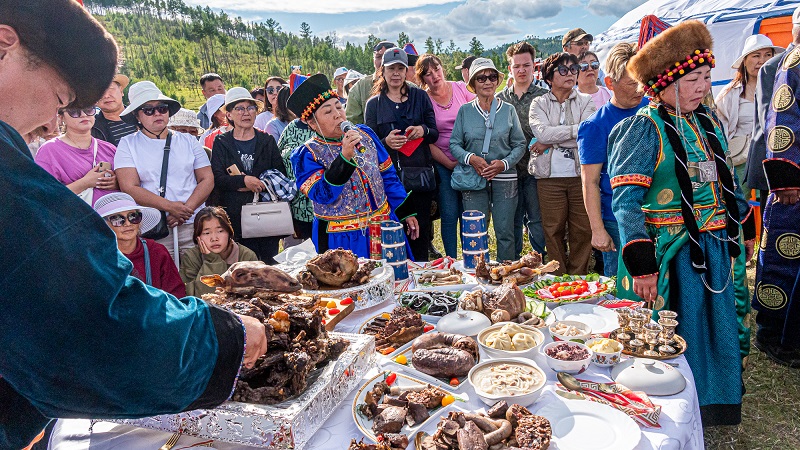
[{"x": 769, "y": 409}]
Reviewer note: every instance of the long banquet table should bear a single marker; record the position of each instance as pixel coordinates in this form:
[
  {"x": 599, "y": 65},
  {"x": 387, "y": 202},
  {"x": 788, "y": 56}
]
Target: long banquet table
[{"x": 681, "y": 427}]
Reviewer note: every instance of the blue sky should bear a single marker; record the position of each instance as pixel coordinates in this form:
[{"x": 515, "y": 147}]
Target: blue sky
[{"x": 492, "y": 21}]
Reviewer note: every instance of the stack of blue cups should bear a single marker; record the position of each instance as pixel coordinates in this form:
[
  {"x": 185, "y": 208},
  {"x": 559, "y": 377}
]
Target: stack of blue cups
[
  {"x": 393, "y": 248},
  {"x": 474, "y": 239}
]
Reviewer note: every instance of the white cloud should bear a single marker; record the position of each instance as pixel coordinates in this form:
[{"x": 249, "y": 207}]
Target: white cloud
[
  {"x": 314, "y": 6},
  {"x": 613, "y": 7},
  {"x": 557, "y": 30},
  {"x": 489, "y": 20}
]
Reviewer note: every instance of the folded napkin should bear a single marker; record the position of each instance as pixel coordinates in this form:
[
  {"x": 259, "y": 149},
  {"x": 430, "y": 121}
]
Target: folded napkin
[
  {"x": 614, "y": 303},
  {"x": 637, "y": 405}
]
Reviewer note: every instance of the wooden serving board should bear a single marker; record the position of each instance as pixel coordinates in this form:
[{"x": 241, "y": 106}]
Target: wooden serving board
[{"x": 343, "y": 310}]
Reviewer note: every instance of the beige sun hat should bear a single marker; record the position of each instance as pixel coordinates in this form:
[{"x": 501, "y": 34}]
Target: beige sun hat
[
  {"x": 238, "y": 94},
  {"x": 755, "y": 43},
  {"x": 185, "y": 118},
  {"x": 143, "y": 92},
  {"x": 478, "y": 66}
]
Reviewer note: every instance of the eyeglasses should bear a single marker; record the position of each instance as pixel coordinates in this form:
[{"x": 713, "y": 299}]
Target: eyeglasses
[
  {"x": 274, "y": 89},
  {"x": 118, "y": 220},
  {"x": 75, "y": 113},
  {"x": 585, "y": 66},
  {"x": 482, "y": 78},
  {"x": 563, "y": 70},
  {"x": 163, "y": 108},
  {"x": 249, "y": 108},
  {"x": 580, "y": 43}
]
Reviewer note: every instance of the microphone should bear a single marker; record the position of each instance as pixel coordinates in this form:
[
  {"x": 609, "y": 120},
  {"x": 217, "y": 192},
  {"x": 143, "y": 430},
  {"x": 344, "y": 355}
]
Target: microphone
[{"x": 347, "y": 126}]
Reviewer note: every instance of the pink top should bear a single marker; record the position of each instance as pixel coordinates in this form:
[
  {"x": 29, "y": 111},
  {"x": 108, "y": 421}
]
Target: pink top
[
  {"x": 601, "y": 97},
  {"x": 69, "y": 164},
  {"x": 446, "y": 115}
]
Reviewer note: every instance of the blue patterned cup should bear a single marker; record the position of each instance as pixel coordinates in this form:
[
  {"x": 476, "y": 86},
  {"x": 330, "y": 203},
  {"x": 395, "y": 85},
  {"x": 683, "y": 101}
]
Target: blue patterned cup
[
  {"x": 471, "y": 258},
  {"x": 473, "y": 222},
  {"x": 394, "y": 252},
  {"x": 400, "y": 270},
  {"x": 475, "y": 242},
  {"x": 392, "y": 233}
]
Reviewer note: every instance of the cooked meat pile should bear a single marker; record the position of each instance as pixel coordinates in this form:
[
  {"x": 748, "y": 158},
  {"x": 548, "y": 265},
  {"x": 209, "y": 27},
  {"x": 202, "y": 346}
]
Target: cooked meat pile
[
  {"x": 444, "y": 355},
  {"x": 297, "y": 343},
  {"x": 503, "y": 428},
  {"x": 403, "y": 325},
  {"x": 392, "y": 408},
  {"x": 521, "y": 271},
  {"x": 500, "y": 305},
  {"x": 252, "y": 278},
  {"x": 336, "y": 269},
  {"x": 390, "y": 441}
]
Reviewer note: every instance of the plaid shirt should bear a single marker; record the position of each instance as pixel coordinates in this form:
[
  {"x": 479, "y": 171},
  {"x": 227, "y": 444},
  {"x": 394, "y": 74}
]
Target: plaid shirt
[{"x": 282, "y": 186}]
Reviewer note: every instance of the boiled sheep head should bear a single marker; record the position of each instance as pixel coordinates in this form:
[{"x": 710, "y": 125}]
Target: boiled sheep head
[
  {"x": 245, "y": 277},
  {"x": 334, "y": 267}
]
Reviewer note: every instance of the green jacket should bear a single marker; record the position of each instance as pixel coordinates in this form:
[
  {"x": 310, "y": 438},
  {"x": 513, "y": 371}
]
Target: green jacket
[{"x": 195, "y": 265}]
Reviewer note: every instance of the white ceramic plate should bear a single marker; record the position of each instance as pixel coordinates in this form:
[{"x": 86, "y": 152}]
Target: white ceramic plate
[
  {"x": 602, "y": 320},
  {"x": 365, "y": 425},
  {"x": 584, "y": 424},
  {"x": 467, "y": 281},
  {"x": 459, "y": 265}
]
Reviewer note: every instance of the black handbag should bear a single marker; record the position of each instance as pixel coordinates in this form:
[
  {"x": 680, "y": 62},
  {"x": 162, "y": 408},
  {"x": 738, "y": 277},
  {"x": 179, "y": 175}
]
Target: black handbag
[
  {"x": 418, "y": 179},
  {"x": 161, "y": 230}
]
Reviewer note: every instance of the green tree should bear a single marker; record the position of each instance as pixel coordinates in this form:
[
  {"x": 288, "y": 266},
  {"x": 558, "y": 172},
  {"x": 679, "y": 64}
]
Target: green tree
[
  {"x": 305, "y": 30},
  {"x": 475, "y": 46},
  {"x": 403, "y": 39},
  {"x": 429, "y": 45},
  {"x": 439, "y": 43}
]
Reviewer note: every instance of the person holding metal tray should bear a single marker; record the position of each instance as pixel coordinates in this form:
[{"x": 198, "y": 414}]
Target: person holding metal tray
[{"x": 667, "y": 163}]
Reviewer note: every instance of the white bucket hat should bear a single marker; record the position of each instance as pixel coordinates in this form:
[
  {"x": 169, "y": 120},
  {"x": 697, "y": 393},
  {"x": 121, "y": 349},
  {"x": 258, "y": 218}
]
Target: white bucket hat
[
  {"x": 479, "y": 65},
  {"x": 755, "y": 43},
  {"x": 238, "y": 94},
  {"x": 213, "y": 104},
  {"x": 143, "y": 92},
  {"x": 117, "y": 202},
  {"x": 185, "y": 118}
]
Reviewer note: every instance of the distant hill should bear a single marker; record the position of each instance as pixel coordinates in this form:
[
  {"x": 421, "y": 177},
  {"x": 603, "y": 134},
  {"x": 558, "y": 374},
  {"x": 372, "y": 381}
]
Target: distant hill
[
  {"x": 173, "y": 44},
  {"x": 544, "y": 46}
]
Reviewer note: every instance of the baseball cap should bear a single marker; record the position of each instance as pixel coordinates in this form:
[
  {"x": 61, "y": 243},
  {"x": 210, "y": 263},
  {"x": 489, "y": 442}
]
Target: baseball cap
[
  {"x": 339, "y": 71},
  {"x": 796, "y": 16},
  {"x": 383, "y": 44},
  {"x": 466, "y": 62},
  {"x": 576, "y": 35},
  {"x": 395, "y": 56}
]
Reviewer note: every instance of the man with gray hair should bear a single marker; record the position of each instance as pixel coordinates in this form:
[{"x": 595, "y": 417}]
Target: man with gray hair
[{"x": 592, "y": 146}]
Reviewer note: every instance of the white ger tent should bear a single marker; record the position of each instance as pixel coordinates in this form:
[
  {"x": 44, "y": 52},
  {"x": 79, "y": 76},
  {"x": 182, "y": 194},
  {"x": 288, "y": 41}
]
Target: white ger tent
[{"x": 730, "y": 22}]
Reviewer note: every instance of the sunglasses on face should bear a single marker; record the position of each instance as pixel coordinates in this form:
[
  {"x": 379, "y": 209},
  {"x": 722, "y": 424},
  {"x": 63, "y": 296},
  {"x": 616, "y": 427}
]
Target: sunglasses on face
[
  {"x": 482, "y": 78},
  {"x": 581, "y": 43},
  {"x": 248, "y": 108},
  {"x": 118, "y": 220},
  {"x": 593, "y": 65},
  {"x": 274, "y": 89},
  {"x": 564, "y": 70},
  {"x": 75, "y": 113},
  {"x": 150, "y": 110}
]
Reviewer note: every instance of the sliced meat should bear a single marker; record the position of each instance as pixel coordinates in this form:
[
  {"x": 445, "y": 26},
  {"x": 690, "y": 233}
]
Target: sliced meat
[
  {"x": 533, "y": 432},
  {"x": 471, "y": 437},
  {"x": 498, "y": 410},
  {"x": 417, "y": 413},
  {"x": 390, "y": 420}
]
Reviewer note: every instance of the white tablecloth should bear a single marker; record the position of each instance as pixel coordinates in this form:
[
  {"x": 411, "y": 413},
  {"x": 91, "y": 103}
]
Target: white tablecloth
[{"x": 681, "y": 428}]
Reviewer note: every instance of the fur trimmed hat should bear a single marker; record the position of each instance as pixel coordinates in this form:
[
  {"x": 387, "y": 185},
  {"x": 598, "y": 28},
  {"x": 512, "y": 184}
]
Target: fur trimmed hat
[{"x": 671, "y": 55}]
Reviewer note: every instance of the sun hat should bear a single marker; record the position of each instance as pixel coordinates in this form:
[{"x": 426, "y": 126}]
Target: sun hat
[
  {"x": 395, "y": 56},
  {"x": 467, "y": 62},
  {"x": 479, "y": 65},
  {"x": 122, "y": 80},
  {"x": 117, "y": 202},
  {"x": 755, "y": 43},
  {"x": 185, "y": 118},
  {"x": 213, "y": 104},
  {"x": 143, "y": 92},
  {"x": 352, "y": 75},
  {"x": 238, "y": 94},
  {"x": 576, "y": 35},
  {"x": 339, "y": 71},
  {"x": 310, "y": 95}
]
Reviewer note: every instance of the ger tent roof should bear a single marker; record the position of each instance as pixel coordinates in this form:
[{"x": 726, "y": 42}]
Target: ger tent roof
[{"x": 730, "y": 22}]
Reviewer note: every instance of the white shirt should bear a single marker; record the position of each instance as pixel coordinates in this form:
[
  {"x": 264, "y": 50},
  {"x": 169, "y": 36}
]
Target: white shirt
[
  {"x": 146, "y": 155},
  {"x": 562, "y": 164},
  {"x": 262, "y": 119}
]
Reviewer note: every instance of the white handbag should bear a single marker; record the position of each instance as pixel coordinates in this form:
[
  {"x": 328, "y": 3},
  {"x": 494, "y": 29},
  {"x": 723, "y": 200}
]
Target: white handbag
[
  {"x": 266, "y": 219},
  {"x": 88, "y": 194}
]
